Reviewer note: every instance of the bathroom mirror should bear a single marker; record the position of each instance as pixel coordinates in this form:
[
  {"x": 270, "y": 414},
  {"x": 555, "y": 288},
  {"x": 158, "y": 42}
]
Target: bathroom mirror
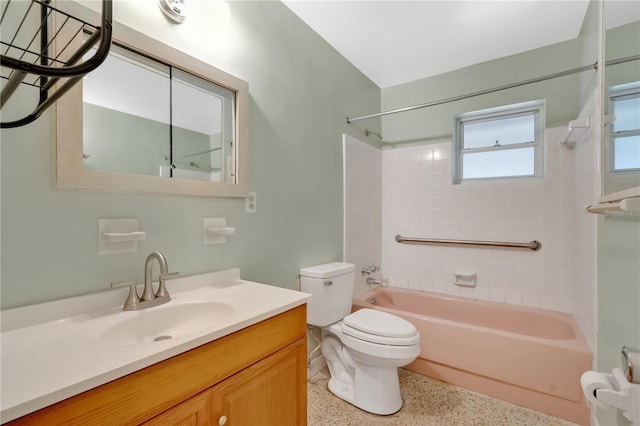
[
  {"x": 621, "y": 97},
  {"x": 153, "y": 119}
]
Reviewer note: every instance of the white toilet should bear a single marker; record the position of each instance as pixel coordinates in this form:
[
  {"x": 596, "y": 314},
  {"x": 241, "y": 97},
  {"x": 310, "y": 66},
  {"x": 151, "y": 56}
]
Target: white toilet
[{"x": 363, "y": 349}]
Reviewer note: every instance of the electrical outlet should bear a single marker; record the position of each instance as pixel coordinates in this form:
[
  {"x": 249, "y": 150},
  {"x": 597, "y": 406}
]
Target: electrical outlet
[{"x": 250, "y": 203}]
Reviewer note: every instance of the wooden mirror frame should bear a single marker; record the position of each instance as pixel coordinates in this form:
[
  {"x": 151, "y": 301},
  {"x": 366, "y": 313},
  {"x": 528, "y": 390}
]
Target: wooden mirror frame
[{"x": 70, "y": 170}]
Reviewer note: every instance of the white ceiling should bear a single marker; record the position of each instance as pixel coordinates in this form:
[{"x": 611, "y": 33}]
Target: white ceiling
[{"x": 393, "y": 42}]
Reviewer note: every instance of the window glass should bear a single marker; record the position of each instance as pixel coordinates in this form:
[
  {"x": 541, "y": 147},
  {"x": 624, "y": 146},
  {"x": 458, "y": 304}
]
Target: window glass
[
  {"x": 626, "y": 153},
  {"x": 501, "y": 142},
  {"x": 624, "y": 136},
  {"x": 503, "y": 131},
  {"x": 510, "y": 162},
  {"x": 627, "y": 114}
]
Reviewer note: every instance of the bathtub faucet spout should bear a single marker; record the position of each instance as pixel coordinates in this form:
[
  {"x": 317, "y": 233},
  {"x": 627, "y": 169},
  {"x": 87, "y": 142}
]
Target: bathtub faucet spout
[{"x": 373, "y": 281}]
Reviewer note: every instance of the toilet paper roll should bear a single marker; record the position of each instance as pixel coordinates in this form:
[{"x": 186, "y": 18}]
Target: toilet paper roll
[{"x": 592, "y": 381}]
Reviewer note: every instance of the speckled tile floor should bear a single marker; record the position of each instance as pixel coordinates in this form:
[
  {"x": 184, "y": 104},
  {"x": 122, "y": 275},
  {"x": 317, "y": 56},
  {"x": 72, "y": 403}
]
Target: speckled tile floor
[{"x": 427, "y": 402}]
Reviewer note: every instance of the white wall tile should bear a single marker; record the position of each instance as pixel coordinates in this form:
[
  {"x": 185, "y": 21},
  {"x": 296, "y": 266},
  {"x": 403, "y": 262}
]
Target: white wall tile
[
  {"x": 439, "y": 287},
  {"x": 513, "y": 297},
  {"x": 521, "y": 211},
  {"x": 451, "y": 289},
  {"x": 587, "y": 174},
  {"x": 468, "y": 292},
  {"x": 418, "y": 199},
  {"x": 426, "y": 284},
  {"x": 531, "y": 299},
  {"x": 362, "y": 207},
  {"x": 497, "y": 294},
  {"x": 481, "y": 293}
]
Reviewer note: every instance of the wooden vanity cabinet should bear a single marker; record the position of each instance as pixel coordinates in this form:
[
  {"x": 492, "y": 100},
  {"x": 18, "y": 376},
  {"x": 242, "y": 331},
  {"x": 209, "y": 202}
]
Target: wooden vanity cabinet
[
  {"x": 255, "y": 376},
  {"x": 195, "y": 411},
  {"x": 263, "y": 394}
]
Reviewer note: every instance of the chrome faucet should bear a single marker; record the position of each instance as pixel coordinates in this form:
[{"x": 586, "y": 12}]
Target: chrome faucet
[
  {"x": 149, "y": 297},
  {"x": 368, "y": 269},
  {"x": 372, "y": 281},
  {"x": 147, "y": 293}
]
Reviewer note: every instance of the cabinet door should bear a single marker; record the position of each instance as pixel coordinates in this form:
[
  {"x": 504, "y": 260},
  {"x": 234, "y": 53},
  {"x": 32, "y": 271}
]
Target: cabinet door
[
  {"x": 195, "y": 411},
  {"x": 272, "y": 392}
]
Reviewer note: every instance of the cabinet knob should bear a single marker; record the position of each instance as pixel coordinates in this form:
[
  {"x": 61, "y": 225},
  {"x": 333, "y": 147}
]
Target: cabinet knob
[{"x": 222, "y": 420}]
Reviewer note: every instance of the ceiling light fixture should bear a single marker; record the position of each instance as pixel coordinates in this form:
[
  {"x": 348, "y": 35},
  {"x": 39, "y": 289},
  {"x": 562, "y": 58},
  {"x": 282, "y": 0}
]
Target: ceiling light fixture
[{"x": 175, "y": 10}]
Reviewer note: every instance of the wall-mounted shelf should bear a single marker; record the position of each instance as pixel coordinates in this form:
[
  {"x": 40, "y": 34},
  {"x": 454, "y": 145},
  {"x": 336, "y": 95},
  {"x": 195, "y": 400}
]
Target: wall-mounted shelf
[
  {"x": 625, "y": 202},
  {"x": 30, "y": 31},
  {"x": 574, "y": 124}
]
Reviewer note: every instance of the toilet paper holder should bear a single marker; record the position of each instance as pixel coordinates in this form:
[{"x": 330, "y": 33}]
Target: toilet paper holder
[
  {"x": 622, "y": 395},
  {"x": 631, "y": 364}
]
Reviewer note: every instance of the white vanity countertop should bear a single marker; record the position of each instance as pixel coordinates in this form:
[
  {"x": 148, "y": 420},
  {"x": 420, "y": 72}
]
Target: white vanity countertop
[{"x": 52, "y": 351}]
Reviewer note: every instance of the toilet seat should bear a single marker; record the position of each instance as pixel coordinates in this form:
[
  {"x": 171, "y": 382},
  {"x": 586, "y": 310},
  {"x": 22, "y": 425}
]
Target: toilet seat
[
  {"x": 380, "y": 340},
  {"x": 380, "y": 327}
]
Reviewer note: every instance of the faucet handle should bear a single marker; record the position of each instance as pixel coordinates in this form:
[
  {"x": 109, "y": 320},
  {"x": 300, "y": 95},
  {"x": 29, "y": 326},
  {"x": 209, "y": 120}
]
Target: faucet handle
[
  {"x": 119, "y": 284},
  {"x": 162, "y": 290},
  {"x": 132, "y": 299},
  {"x": 366, "y": 270}
]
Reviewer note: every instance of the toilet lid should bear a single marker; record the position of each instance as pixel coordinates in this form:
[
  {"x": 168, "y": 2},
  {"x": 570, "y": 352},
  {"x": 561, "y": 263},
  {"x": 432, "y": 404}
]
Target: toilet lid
[{"x": 378, "y": 323}]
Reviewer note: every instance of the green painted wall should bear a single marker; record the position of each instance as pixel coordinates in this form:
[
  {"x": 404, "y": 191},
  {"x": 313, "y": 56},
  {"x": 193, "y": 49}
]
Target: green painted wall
[
  {"x": 618, "y": 288},
  {"x": 589, "y": 47},
  {"x": 436, "y": 123},
  {"x": 301, "y": 90},
  {"x": 619, "y": 236},
  {"x": 121, "y": 142},
  {"x": 622, "y": 42}
]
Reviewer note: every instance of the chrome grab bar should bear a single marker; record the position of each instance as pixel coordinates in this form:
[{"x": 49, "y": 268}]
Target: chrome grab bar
[{"x": 533, "y": 245}]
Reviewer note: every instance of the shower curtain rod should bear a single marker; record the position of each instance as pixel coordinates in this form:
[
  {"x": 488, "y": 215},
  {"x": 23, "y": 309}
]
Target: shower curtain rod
[
  {"x": 495, "y": 89},
  {"x": 200, "y": 153}
]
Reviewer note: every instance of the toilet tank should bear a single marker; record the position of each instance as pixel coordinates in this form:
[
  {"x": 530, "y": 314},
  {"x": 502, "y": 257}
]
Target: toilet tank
[{"x": 331, "y": 287}]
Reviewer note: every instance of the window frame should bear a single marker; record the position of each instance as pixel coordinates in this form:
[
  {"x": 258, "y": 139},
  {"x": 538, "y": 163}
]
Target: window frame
[
  {"x": 535, "y": 108},
  {"x": 615, "y": 94}
]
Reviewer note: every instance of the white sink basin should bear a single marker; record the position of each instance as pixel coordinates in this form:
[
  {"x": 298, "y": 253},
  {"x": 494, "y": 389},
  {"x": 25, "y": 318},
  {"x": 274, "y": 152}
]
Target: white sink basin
[
  {"x": 58, "y": 349},
  {"x": 163, "y": 323}
]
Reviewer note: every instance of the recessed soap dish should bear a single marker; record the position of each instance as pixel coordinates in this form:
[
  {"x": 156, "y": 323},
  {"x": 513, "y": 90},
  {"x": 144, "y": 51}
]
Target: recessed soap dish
[
  {"x": 119, "y": 235},
  {"x": 215, "y": 230},
  {"x": 115, "y": 237},
  {"x": 221, "y": 231},
  {"x": 466, "y": 280}
]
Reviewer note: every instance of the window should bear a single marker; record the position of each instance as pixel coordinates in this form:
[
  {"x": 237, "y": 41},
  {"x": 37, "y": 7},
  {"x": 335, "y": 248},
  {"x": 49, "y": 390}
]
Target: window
[
  {"x": 505, "y": 142},
  {"x": 624, "y": 133}
]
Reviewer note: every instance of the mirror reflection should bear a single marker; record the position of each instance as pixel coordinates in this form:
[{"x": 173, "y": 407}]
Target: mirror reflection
[
  {"x": 142, "y": 116},
  {"x": 621, "y": 103}
]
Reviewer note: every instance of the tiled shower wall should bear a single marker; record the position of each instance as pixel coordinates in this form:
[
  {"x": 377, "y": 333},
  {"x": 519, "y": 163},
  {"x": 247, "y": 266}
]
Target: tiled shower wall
[
  {"x": 587, "y": 191},
  {"x": 419, "y": 200},
  {"x": 362, "y": 207}
]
